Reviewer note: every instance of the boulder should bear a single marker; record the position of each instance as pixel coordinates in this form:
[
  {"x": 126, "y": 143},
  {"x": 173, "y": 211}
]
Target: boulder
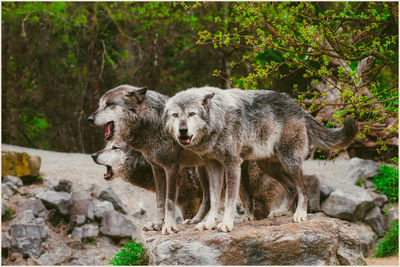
[
  {"x": 366, "y": 237},
  {"x": 36, "y": 205},
  {"x": 85, "y": 233},
  {"x": 318, "y": 241},
  {"x": 374, "y": 218},
  {"x": 13, "y": 179},
  {"x": 108, "y": 194},
  {"x": 348, "y": 202},
  {"x": 341, "y": 170},
  {"x": 60, "y": 255},
  {"x": 116, "y": 225},
  {"x": 7, "y": 190},
  {"x": 5, "y": 241},
  {"x": 27, "y": 239},
  {"x": 61, "y": 201},
  {"x": 3, "y": 209},
  {"x": 379, "y": 199},
  {"x": 100, "y": 207},
  {"x": 83, "y": 209},
  {"x": 391, "y": 212},
  {"x": 19, "y": 164}
]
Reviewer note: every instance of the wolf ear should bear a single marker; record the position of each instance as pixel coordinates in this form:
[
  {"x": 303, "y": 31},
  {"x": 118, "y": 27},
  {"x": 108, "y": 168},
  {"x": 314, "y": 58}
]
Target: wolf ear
[
  {"x": 138, "y": 93},
  {"x": 206, "y": 99}
]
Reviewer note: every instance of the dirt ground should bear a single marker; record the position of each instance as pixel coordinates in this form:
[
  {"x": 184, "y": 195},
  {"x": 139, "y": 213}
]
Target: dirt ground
[{"x": 387, "y": 261}]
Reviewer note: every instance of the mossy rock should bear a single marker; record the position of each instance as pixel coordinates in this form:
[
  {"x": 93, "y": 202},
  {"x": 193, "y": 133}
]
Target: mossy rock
[{"x": 19, "y": 164}]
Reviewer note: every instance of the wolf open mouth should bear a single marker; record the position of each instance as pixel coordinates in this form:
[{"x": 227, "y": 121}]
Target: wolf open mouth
[
  {"x": 109, "y": 132},
  {"x": 185, "y": 140},
  {"x": 109, "y": 174}
]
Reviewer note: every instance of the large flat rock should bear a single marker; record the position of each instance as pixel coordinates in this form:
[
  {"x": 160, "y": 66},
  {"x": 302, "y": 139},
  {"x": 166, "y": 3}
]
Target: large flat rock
[{"x": 318, "y": 241}]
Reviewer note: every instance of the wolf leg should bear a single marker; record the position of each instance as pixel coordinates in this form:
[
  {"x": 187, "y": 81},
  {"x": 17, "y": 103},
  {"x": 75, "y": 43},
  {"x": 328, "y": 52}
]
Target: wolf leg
[
  {"x": 172, "y": 175},
  {"x": 215, "y": 173},
  {"x": 232, "y": 171},
  {"x": 246, "y": 191},
  {"x": 160, "y": 183},
  {"x": 205, "y": 202}
]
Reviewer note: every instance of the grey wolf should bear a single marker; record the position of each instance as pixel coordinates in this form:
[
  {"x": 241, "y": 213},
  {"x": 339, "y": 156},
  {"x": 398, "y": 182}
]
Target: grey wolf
[
  {"x": 225, "y": 127},
  {"x": 122, "y": 161}
]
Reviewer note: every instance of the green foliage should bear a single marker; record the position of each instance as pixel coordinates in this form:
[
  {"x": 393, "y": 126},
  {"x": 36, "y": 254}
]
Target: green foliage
[
  {"x": 132, "y": 254},
  {"x": 9, "y": 214},
  {"x": 387, "y": 182},
  {"x": 390, "y": 245}
]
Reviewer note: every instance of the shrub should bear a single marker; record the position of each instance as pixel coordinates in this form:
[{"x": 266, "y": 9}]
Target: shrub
[
  {"x": 387, "y": 182},
  {"x": 132, "y": 254},
  {"x": 390, "y": 245}
]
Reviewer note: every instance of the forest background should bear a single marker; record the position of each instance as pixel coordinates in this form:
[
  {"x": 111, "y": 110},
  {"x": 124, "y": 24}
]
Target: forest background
[{"x": 337, "y": 59}]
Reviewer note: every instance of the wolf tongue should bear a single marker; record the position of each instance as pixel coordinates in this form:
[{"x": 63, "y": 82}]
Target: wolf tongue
[{"x": 108, "y": 130}]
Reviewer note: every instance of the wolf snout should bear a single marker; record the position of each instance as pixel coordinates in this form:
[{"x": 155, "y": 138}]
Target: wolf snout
[
  {"x": 91, "y": 119},
  {"x": 183, "y": 130},
  {"x": 94, "y": 157}
]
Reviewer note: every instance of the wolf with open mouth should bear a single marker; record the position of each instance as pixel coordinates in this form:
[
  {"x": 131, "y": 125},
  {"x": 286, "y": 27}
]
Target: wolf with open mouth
[{"x": 124, "y": 162}]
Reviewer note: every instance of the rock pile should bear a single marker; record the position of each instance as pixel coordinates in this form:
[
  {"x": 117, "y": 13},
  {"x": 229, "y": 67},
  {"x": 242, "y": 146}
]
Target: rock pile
[{"x": 62, "y": 226}]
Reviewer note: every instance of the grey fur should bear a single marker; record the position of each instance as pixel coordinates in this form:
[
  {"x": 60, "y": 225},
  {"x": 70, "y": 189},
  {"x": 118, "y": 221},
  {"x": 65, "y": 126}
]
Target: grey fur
[{"x": 225, "y": 127}]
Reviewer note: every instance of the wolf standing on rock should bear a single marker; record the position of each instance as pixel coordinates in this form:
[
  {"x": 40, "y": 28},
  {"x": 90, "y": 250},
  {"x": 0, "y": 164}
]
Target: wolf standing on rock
[{"x": 225, "y": 127}]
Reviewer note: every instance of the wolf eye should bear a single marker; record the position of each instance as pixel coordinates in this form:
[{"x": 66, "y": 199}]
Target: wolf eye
[
  {"x": 108, "y": 103},
  {"x": 114, "y": 147},
  {"x": 175, "y": 115},
  {"x": 191, "y": 114}
]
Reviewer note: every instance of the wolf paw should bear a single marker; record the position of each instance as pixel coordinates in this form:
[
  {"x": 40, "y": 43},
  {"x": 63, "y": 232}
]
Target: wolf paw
[
  {"x": 191, "y": 221},
  {"x": 225, "y": 227},
  {"x": 248, "y": 218},
  {"x": 277, "y": 213},
  {"x": 300, "y": 216},
  {"x": 169, "y": 229},
  {"x": 204, "y": 226},
  {"x": 152, "y": 226}
]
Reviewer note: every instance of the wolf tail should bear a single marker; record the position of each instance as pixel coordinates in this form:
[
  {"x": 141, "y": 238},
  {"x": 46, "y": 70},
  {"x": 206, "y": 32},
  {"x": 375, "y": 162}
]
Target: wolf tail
[{"x": 328, "y": 138}]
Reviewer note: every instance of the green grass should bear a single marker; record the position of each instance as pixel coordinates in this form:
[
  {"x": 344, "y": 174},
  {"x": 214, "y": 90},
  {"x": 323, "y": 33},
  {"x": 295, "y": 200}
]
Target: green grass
[
  {"x": 132, "y": 254},
  {"x": 9, "y": 214},
  {"x": 387, "y": 182},
  {"x": 390, "y": 245}
]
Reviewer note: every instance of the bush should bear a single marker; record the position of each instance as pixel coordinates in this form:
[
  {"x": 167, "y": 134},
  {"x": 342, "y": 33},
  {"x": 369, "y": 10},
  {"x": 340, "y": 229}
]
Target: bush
[
  {"x": 387, "y": 182},
  {"x": 9, "y": 214},
  {"x": 132, "y": 254},
  {"x": 390, "y": 245}
]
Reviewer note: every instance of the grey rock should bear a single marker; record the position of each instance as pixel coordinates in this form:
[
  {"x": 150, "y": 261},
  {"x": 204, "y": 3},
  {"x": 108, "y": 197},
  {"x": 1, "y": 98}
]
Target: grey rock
[
  {"x": 369, "y": 185},
  {"x": 83, "y": 209},
  {"x": 311, "y": 182},
  {"x": 366, "y": 236},
  {"x": 60, "y": 255},
  {"x": 108, "y": 194},
  {"x": 77, "y": 234},
  {"x": 36, "y": 205},
  {"x": 7, "y": 190},
  {"x": 100, "y": 207},
  {"x": 81, "y": 261},
  {"x": 13, "y": 179},
  {"x": 26, "y": 217},
  {"x": 61, "y": 201},
  {"x": 348, "y": 202},
  {"x": 63, "y": 186},
  {"x": 27, "y": 239},
  {"x": 116, "y": 225},
  {"x": 90, "y": 231},
  {"x": 5, "y": 240},
  {"x": 318, "y": 241},
  {"x": 391, "y": 214},
  {"x": 340, "y": 171},
  {"x": 379, "y": 199},
  {"x": 374, "y": 218}
]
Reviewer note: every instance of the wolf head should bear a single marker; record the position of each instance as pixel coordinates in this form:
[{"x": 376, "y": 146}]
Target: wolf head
[
  {"x": 186, "y": 116},
  {"x": 116, "y": 105},
  {"x": 113, "y": 156}
]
